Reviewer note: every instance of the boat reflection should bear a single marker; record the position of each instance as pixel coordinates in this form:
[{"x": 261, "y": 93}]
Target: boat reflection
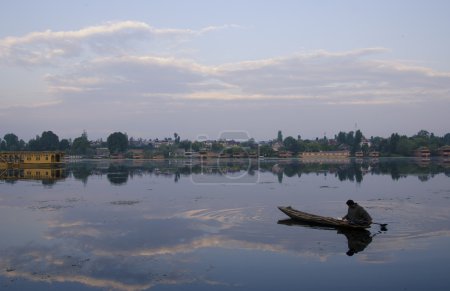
[
  {"x": 48, "y": 175},
  {"x": 357, "y": 239}
]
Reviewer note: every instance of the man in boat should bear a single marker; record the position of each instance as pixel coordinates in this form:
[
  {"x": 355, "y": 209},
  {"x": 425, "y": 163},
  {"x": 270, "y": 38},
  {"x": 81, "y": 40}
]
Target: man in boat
[{"x": 356, "y": 214}]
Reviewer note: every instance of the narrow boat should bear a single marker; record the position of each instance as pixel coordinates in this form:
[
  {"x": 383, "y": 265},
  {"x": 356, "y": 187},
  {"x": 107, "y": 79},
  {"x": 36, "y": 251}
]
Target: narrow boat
[{"x": 318, "y": 220}]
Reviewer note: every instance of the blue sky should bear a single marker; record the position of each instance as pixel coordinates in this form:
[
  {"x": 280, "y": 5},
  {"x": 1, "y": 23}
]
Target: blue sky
[{"x": 152, "y": 68}]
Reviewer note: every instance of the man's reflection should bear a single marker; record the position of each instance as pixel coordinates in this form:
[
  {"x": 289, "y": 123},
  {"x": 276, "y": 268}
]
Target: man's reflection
[{"x": 357, "y": 240}]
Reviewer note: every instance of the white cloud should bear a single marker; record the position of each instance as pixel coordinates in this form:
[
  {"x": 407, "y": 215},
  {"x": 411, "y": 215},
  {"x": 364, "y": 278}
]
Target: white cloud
[
  {"x": 105, "y": 60},
  {"x": 129, "y": 69},
  {"x": 131, "y": 75},
  {"x": 350, "y": 78},
  {"x": 45, "y": 47},
  {"x": 347, "y": 77}
]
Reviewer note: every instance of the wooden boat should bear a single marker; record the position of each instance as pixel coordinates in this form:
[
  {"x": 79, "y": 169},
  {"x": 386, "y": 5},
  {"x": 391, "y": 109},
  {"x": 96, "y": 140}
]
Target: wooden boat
[{"x": 318, "y": 220}]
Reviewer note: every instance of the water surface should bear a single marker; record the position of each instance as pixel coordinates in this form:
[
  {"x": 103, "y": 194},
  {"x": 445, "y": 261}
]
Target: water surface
[{"x": 102, "y": 225}]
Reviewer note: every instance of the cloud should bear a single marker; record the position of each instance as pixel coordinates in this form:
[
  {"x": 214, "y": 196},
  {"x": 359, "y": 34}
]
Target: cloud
[
  {"x": 351, "y": 77},
  {"x": 130, "y": 75},
  {"x": 108, "y": 61},
  {"x": 46, "y": 47},
  {"x": 320, "y": 78}
]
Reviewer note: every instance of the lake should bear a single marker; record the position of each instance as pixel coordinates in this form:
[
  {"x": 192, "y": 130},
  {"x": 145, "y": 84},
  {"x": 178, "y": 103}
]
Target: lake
[{"x": 186, "y": 225}]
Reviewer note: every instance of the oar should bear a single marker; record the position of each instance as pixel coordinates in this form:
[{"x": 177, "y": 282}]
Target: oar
[{"x": 382, "y": 225}]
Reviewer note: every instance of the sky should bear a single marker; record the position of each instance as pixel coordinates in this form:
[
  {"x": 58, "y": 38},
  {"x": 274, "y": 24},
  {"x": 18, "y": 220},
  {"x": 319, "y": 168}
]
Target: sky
[{"x": 207, "y": 68}]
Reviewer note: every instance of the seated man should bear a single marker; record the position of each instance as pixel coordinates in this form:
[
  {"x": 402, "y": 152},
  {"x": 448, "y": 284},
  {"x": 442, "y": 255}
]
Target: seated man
[{"x": 356, "y": 214}]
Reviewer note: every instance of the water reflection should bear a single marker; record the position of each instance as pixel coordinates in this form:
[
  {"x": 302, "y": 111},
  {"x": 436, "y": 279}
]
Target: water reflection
[
  {"x": 159, "y": 231},
  {"x": 349, "y": 170},
  {"x": 48, "y": 175},
  {"x": 118, "y": 172},
  {"x": 357, "y": 239}
]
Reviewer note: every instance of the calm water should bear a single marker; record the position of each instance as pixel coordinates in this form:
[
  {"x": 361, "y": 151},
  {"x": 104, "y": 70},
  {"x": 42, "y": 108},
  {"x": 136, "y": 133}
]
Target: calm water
[{"x": 181, "y": 226}]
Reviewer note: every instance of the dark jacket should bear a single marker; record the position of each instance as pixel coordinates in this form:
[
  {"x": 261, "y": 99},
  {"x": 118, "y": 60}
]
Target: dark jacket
[{"x": 358, "y": 215}]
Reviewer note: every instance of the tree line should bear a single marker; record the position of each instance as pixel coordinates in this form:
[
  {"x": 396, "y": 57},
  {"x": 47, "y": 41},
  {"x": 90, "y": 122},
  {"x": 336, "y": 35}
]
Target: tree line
[{"x": 118, "y": 142}]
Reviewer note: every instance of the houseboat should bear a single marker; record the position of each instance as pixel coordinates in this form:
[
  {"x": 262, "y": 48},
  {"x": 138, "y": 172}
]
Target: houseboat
[
  {"x": 374, "y": 154},
  {"x": 423, "y": 153},
  {"x": 444, "y": 152},
  {"x": 31, "y": 159},
  {"x": 359, "y": 154}
]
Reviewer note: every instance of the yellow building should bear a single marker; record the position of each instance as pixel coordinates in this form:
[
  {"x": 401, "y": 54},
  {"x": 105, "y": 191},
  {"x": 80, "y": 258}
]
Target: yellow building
[
  {"x": 25, "y": 159},
  {"x": 325, "y": 155}
]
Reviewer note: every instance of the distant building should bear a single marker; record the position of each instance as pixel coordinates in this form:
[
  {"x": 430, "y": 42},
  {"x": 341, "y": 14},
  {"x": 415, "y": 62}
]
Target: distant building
[
  {"x": 325, "y": 155},
  {"x": 374, "y": 154},
  {"x": 277, "y": 146},
  {"x": 158, "y": 143},
  {"x": 210, "y": 155},
  {"x": 118, "y": 156},
  {"x": 444, "y": 151},
  {"x": 179, "y": 152},
  {"x": 240, "y": 155},
  {"x": 253, "y": 155},
  {"x": 423, "y": 152},
  {"x": 136, "y": 153},
  {"x": 285, "y": 154},
  {"x": 158, "y": 157},
  {"x": 192, "y": 155},
  {"x": 359, "y": 154},
  {"x": 365, "y": 142},
  {"x": 102, "y": 152}
]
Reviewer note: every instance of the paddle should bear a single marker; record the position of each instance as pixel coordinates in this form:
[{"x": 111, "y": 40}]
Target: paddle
[{"x": 382, "y": 225}]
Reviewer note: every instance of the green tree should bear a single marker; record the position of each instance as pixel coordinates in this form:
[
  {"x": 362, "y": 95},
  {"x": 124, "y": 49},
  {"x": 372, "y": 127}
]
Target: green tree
[
  {"x": 405, "y": 146},
  {"x": 11, "y": 142},
  {"x": 341, "y": 138},
  {"x": 423, "y": 133},
  {"x": 280, "y": 136},
  {"x": 266, "y": 150},
  {"x": 81, "y": 145},
  {"x": 185, "y": 144},
  {"x": 176, "y": 138},
  {"x": 301, "y": 145},
  {"x": 64, "y": 145},
  {"x": 357, "y": 141},
  {"x": 196, "y": 146},
  {"x": 291, "y": 144},
  {"x": 393, "y": 143},
  {"x": 22, "y": 144},
  {"x": 312, "y": 146},
  {"x": 365, "y": 149},
  {"x": 49, "y": 141},
  {"x": 117, "y": 142},
  {"x": 217, "y": 147},
  {"x": 446, "y": 139},
  {"x": 33, "y": 144},
  {"x": 350, "y": 140}
]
